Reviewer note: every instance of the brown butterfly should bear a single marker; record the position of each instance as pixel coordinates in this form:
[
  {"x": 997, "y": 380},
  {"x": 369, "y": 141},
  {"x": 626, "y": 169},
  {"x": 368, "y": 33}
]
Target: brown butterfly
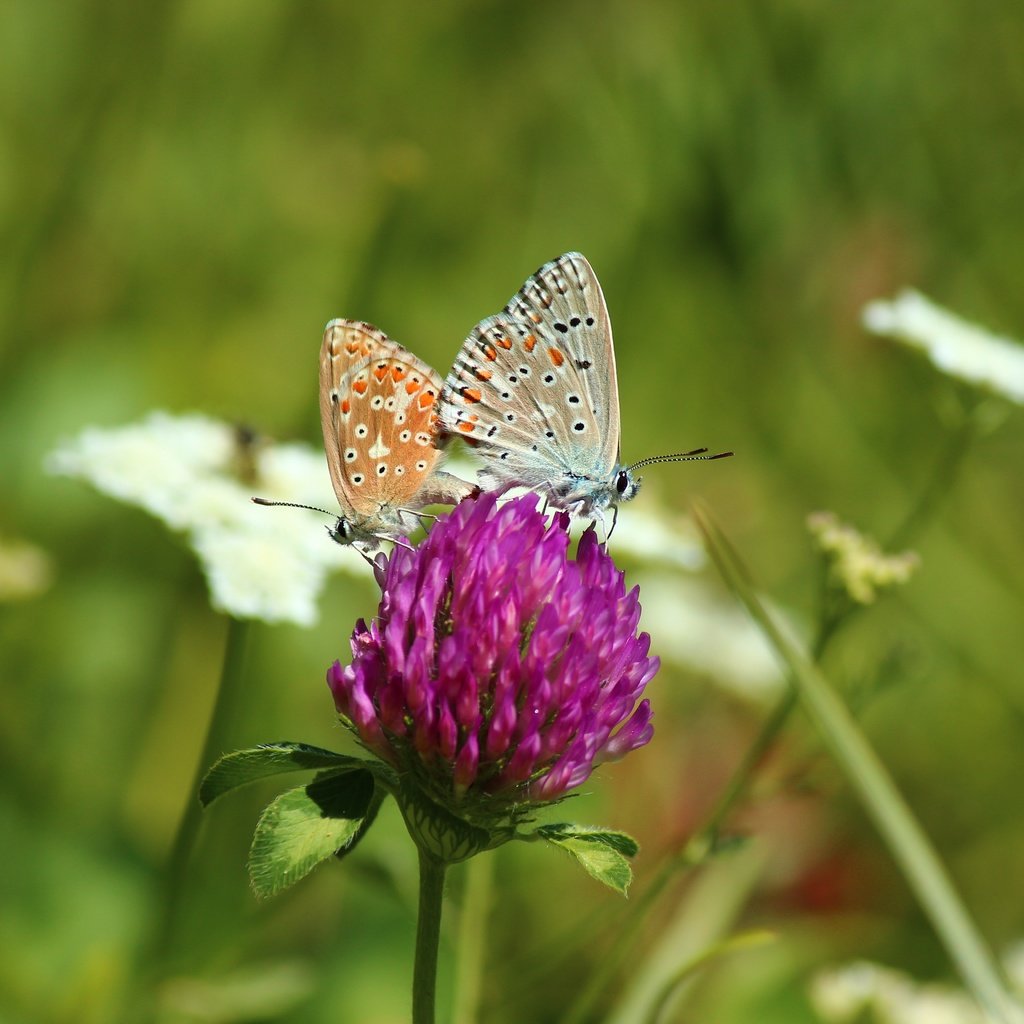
[{"x": 379, "y": 417}]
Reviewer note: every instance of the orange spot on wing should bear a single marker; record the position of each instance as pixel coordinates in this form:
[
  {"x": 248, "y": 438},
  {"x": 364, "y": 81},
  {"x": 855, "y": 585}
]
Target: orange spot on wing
[
  {"x": 536, "y": 317},
  {"x": 426, "y": 400},
  {"x": 411, "y": 387},
  {"x": 481, "y": 374},
  {"x": 380, "y": 372},
  {"x": 359, "y": 387},
  {"x": 529, "y": 343},
  {"x": 555, "y": 356},
  {"x": 490, "y": 352},
  {"x": 397, "y": 373},
  {"x": 505, "y": 343},
  {"x": 352, "y": 347},
  {"x": 345, "y": 406},
  {"x": 466, "y": 427},
  {"x": 471, "y": 394}
]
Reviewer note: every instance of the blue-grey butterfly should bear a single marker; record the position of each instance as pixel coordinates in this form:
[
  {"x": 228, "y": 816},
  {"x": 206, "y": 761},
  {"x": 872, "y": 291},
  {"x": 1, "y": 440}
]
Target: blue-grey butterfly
[{"x": 533, "y": 392}]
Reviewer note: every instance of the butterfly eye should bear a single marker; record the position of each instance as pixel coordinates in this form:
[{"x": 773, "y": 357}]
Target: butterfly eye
[
  {"x": 343, "y": 533},
  {"x": 622, "y": 482}
]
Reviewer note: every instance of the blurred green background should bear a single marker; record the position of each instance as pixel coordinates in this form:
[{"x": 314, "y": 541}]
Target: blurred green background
[{"x": 190, "y": 190}]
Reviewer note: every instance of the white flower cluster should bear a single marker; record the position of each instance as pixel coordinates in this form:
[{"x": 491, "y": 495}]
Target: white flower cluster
[
  {"x": 856, "y": 562},
  {"x": 954, "y": 346},
  {"x": 692, "y": 626},
  {"x": 651, "y": 536},
  {"x": 198, "y": 475},
  {"x": 850, "y": 993}
]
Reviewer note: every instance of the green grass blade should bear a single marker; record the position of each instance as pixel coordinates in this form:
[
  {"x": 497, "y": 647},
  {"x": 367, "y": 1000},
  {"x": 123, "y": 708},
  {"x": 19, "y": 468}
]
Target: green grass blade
[{"x": 901, "y": 832}]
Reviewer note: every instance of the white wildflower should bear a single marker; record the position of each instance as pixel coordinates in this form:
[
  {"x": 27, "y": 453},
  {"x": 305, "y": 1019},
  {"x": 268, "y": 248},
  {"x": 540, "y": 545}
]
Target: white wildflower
[
  {"x": 840, "y": 994},
  {"x": 845, "y": 993},
  {"x": 856, "y": 562},
  {"x": 654, "y": 536},
  {"x": 698, "y": 630},
  {"x": 957, "y": 347},
  {"x": 192, "y": 473}
]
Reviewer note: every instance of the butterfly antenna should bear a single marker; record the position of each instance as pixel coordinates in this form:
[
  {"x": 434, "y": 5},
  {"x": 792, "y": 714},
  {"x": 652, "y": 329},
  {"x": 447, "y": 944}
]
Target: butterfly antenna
[
  {"x": 292, "y": 504},
  {"x": 697, "y": 455}
]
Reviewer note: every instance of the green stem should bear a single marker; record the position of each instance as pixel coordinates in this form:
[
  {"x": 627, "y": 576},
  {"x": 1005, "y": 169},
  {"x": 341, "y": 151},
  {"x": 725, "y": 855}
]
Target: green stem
[
  {"x": 224, "y": 708},
  {"x": 428, "y": 937},
  {"x": 702, "y": 842},
  {"x": 472, "y": 940},
  {"x": 941, "y": 480},
  {"x": 732, "y": 944},
  {"x": 837, "y": 608},
  {"x": 880, "y": 798},
  {"x": 707, "y": 909}
]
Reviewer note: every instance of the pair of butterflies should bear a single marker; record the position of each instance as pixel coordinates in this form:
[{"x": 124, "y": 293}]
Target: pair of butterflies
[{"x": 532, "y": 391}]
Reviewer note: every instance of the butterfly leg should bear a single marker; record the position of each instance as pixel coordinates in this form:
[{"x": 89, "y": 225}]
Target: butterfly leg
[
  {"x": 598, "y": 518},
  {"x": 615, "y": 519},
  {"x": 371, "y": 562},
  {"x": 420, "y": 516}
]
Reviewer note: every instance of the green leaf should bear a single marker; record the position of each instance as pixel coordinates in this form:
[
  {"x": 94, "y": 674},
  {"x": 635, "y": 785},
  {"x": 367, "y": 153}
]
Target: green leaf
[
  {"x": 600, "y": 852},
  {"x": 618, "y": 841},
  {"x": 244, "y": 766},
  {"x": 307, "y": 825}
]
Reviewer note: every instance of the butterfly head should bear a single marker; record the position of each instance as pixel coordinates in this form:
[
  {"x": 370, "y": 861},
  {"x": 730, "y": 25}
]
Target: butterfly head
[
  {"x": 343, "y": 532},
  {"x": 626, "y": 485}
]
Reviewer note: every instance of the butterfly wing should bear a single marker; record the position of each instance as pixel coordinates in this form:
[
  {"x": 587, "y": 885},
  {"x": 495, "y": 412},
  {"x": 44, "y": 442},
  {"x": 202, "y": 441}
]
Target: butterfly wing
[
  {"x": 533, "y": 388},
  {"x": 378, "y": 409}
]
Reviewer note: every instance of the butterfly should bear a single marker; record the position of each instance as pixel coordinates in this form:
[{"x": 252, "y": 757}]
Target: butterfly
[
  {"x": 378, "y": 409},
  {"x": 533, "y": 392},
  {"x": 379, "y": 417}
]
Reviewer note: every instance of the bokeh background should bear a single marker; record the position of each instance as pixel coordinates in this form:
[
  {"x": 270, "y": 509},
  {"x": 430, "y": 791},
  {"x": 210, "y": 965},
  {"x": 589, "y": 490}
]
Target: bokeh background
[{"x": 190, "y": 190}]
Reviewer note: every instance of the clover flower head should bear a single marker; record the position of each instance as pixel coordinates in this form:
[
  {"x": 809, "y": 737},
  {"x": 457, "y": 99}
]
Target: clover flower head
[
  {"x": 498, "y": 670},
  {"x": 198, "y": 475},
  {"x": 856, "y": 562},
  {"x": 954, "y": 346}
]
